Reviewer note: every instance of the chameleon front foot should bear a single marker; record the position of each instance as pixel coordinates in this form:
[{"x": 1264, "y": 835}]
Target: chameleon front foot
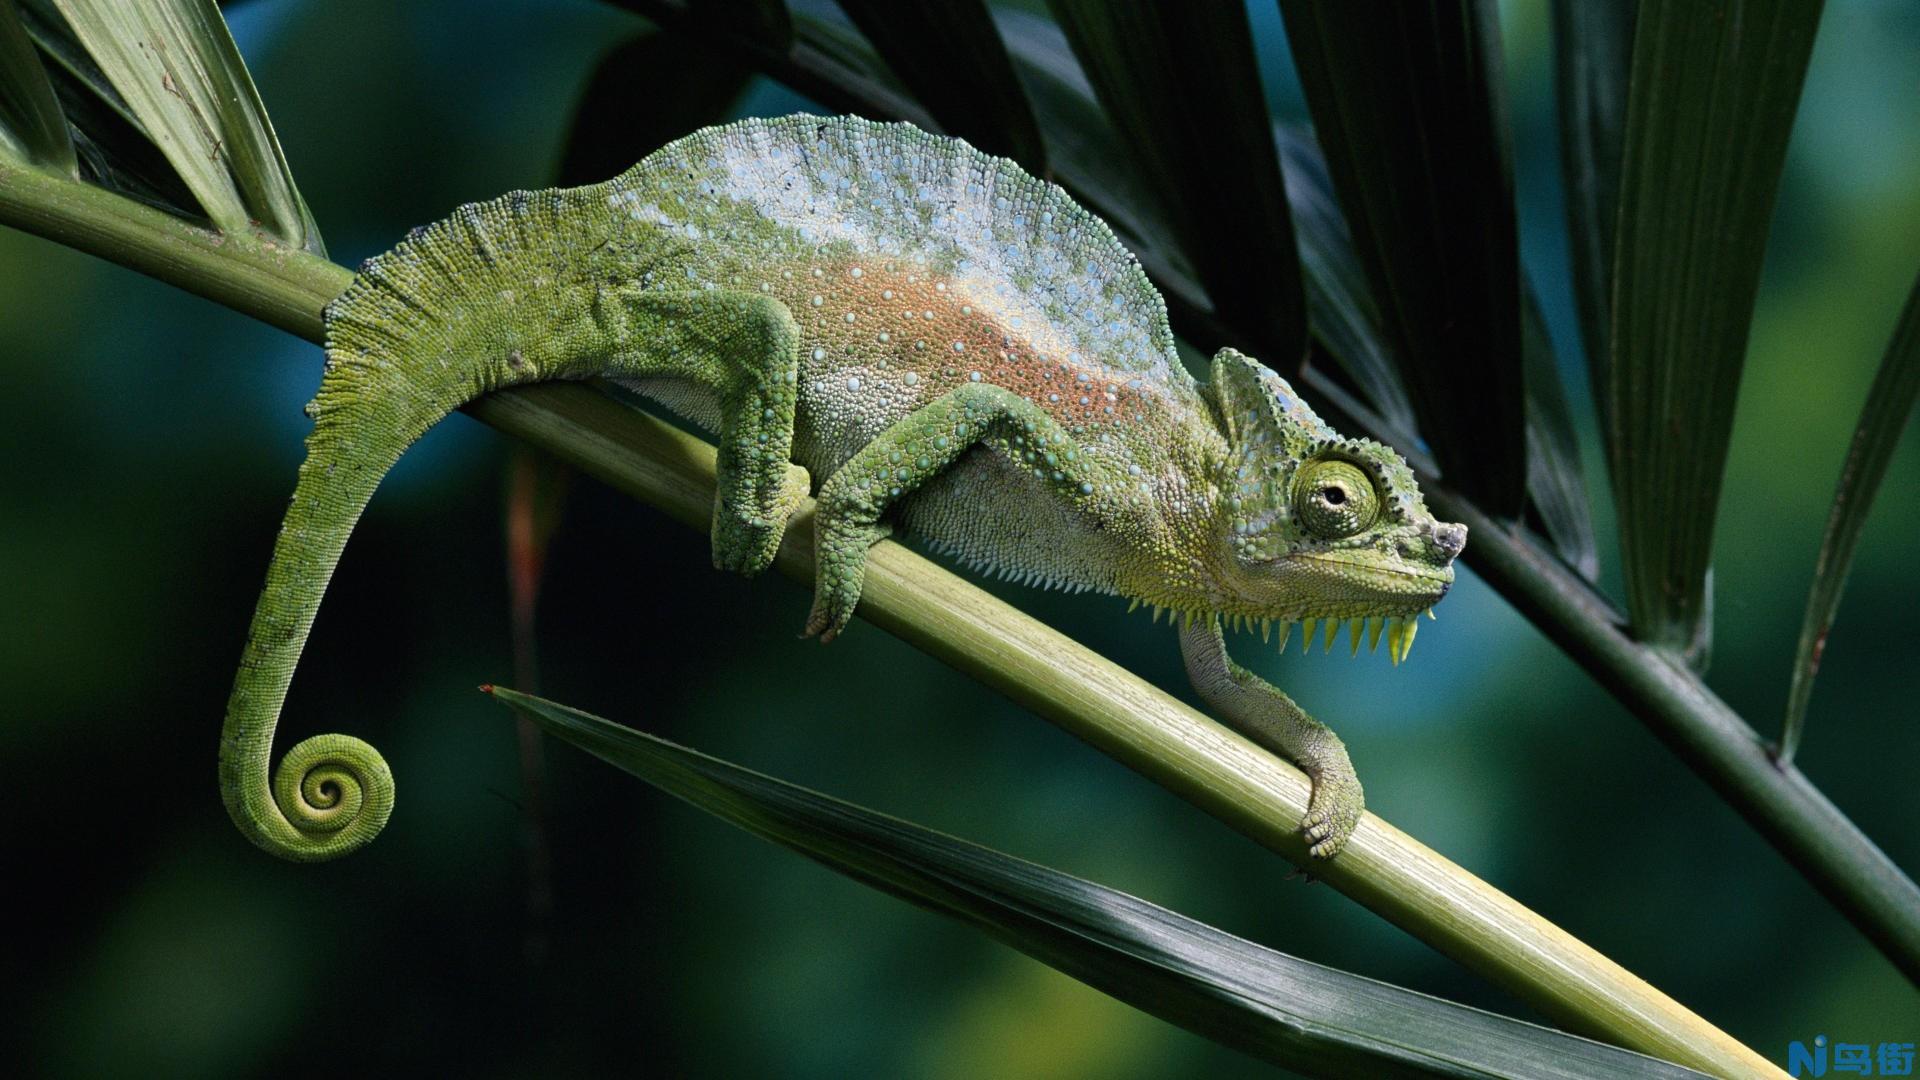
[
  {"x": 1333, "y": 810},
  {"x": 745, "y": 543}
]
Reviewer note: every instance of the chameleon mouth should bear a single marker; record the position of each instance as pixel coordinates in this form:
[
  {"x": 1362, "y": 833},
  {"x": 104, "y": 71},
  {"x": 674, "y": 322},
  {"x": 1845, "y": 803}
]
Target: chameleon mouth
[{"x": 1399, "y": 631}]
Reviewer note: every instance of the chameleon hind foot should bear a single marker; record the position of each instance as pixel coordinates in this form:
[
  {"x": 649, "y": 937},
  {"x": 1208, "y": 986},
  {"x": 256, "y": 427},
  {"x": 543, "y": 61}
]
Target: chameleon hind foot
[
  {"x": 745, "y": 543},
  {"x": 840, "y": 571}
]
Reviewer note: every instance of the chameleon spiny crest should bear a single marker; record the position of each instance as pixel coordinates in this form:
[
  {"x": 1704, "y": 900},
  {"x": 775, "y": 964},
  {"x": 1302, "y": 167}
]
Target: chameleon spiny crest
[{"x": 945, "y": 343}]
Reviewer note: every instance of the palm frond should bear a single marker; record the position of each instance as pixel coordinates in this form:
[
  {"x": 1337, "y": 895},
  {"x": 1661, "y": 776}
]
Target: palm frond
[{"x": 1281, "y": 1009}]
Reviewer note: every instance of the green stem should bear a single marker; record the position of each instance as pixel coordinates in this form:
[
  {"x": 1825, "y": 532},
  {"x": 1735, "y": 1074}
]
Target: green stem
[{"x": 955, "y": 621}]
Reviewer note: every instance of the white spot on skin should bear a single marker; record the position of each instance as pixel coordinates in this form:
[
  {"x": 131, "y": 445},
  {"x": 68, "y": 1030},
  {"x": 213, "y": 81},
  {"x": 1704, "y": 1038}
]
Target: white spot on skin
[
  {"x": 959, "y": 346},
  {"x": 855, "y": 272},
  {"x": 973, "y": 376},
  {"x": 818, "y": 300},
  {"x": 913, "y": 378},
  {"x": 849, "y": 316},
  {"x": 853, "y": 382},
  {"x": 886, "y": 294},
  {"x": 819, "y": 354}
]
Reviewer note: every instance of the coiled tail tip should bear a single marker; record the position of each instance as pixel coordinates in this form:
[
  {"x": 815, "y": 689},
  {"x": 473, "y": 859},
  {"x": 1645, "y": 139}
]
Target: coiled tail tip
[{"x": 331, "y": 795}]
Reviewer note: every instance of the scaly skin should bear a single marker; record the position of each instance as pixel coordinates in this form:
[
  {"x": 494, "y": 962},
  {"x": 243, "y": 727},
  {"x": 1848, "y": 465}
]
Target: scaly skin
[{"x": 952, "y": 345}]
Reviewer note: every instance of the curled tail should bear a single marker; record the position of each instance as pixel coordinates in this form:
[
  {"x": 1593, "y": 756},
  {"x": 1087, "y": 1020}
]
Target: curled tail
[{"x": 488, "y": 298}]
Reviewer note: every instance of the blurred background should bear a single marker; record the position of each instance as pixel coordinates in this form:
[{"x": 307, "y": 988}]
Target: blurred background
[{"x": 148, "y": 441}]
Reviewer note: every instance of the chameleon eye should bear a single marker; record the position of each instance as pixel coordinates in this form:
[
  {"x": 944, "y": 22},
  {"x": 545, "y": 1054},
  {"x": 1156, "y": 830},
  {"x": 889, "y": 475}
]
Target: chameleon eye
[{"x": 1335, "y": 499}]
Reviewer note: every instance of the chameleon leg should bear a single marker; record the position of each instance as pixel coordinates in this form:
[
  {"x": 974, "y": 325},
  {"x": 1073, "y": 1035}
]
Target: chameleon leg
[
  {"x": 745, "y": 349},
  {"x": 1270, "y": 718},
  {"x": 908, "y": 454}
]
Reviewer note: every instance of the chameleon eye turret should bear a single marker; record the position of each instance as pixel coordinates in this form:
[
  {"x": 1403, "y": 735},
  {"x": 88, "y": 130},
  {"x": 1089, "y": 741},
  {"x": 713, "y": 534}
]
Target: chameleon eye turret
[
  {"x": 1335, "y": 499},
  {"x": 949, "y": 345}
]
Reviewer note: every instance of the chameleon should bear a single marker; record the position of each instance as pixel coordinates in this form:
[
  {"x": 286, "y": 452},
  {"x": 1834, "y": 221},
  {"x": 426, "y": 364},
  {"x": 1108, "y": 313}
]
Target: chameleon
[{"x": 954, "y": 347}]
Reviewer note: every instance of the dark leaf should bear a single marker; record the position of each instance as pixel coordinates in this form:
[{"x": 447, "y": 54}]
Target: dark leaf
[
  {"x": 1711, "y": 98},
  {"x": 1086, "y": 152},
  {"x": 1182, "y": 88},
  {"x": 1592, "y": 44},
  {"x": 951, "y": 57},
  {"x": 1288, "y": 1011},
  {"x": 766, "y": 22},
  {"x": 32, "y": 127},
  {"x": 1889, "y": 404},
  {"x": 644, "y": 94},
  {"x": 1406, "y": 104},
  {"x": 1342, "y": 312}
]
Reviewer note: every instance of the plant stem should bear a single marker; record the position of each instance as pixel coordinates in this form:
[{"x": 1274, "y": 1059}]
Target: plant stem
[{"x": 954, "y": 621}]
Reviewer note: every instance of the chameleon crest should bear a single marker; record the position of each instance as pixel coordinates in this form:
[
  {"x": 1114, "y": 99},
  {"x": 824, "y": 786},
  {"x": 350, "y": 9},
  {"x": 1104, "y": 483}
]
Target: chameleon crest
[{"x": 946, "y": 344}]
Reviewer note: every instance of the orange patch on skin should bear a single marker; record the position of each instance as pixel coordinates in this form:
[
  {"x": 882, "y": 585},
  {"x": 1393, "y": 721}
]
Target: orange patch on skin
[{"x": 945, "y": 330}]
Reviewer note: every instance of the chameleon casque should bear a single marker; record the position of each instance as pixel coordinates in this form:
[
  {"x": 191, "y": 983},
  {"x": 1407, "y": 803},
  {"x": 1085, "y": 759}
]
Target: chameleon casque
[{"x": 945, "y": 342}]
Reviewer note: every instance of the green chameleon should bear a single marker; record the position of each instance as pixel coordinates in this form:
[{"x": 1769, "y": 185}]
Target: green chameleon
[{"x": 954, "y": 346}]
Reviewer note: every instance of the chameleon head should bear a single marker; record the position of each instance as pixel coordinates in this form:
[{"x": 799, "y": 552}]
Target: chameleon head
[{"x": 1315, "y": 526}]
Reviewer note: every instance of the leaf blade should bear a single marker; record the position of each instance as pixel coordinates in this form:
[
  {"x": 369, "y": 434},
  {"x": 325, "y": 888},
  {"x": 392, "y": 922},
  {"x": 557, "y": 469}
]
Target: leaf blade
[
  {"x": 1592, "y": 45},
  {"x": 1882, "y": 420},
  {"x": 616, "y": 121},
  {"x": 1405, "y": 103},
  {"x": 1181, "y": 87},
  {"x": 177, "y": 69},
  {"x": 33, "y": 128},
  {"x": 951, "y": 57},
  {"x": 1710, "y": 104},
  {"x": 1339, "y": 304},
  {"x": 1269, "y": 1004}
]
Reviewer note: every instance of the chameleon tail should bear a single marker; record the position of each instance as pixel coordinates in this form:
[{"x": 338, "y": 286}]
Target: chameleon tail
[{"x": 462, "y": 307}]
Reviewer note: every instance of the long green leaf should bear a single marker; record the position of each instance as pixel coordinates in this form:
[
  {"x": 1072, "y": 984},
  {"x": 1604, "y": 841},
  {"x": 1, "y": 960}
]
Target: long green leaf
[
  {"x": 1889, "y": 404},
  {"x": 33, "y": 130},
  {"x": 1285, "y": 1010},
  {"x": 1592, "y": 45},
  {"x": 1182, "y": 88},
  {"x": 176, "y": 69},
  {"x": 951, "y": 57},
  {"x": 1710, "y": 103},
  {"x": 1406, "y": 102}
]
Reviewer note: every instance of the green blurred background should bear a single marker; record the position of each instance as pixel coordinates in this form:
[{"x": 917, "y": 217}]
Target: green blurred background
[{"x": 147, "y": 445}]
